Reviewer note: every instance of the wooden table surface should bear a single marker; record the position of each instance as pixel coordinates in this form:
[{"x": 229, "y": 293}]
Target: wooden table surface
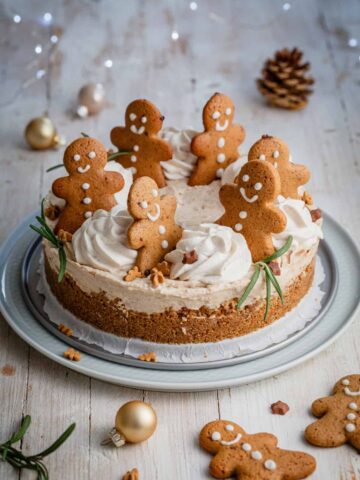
[{"x": 221, "y": 46}]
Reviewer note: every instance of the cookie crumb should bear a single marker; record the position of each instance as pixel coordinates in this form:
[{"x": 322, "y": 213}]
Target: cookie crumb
[
  {"x": 133, "y": 274},
  {"x": 148, "y": 357},
  {"x": 8, "y": 370},
  {"x": 64, "y": 236},
  {"x": 266, "y": 136},
  {"x": 156, "y": 277},
  {"x": 164, "y": 268},
  {"x": 52, "y": 212},
  {"x": 190, "y": 257},
  {"x": 316, "y": 214},
  {"x": 66, "y": 330},
  {"x": 72, "y": 355},
  {"x": 131, "y": 475},
  {"x": 279, "y": 408},
  {"x": 275, "y": 268},
  {"x": 307, "y": 198}
]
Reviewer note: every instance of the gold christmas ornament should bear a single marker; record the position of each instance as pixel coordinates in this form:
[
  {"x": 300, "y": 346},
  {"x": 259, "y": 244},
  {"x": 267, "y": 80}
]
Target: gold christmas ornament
[
  {"x": 135, "y": 422},
  {"x": 91, "y": 99},
  {"x": 40, "y": 134}
]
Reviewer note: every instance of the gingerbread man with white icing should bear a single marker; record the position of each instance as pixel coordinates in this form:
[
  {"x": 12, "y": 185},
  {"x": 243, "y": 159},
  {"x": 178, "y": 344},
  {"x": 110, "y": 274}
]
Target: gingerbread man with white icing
[
  {"x": 249, "y": 207},
  {"x": 154, "y": 231},
  {"x": 143, "y": 121},
  {"x": 217, "y": 147},
  {"x": 275, "y": 151},
  {"x": 339, "y": 414},
  {"x": 251, "y": 457},
  {"x": 88, "y": 187}
]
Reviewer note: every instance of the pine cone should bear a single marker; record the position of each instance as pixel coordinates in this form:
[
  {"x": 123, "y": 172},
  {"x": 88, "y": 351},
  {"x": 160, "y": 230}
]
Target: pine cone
[{"x": 284, "y": 82}]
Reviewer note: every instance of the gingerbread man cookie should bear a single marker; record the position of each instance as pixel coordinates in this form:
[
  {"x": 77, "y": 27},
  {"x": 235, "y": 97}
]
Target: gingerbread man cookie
[
  {"x": 154, "y": 232},
  {"x": 217, "y": 146},
  {"x": 88, "y": 187},
  {"x": 249, "y": 207},
  {"x": 143, "y": 121},
  {"x": 275, "y": 151},
  {"x": 339, "y": 416},
  {"x": 251, "y": 457}
]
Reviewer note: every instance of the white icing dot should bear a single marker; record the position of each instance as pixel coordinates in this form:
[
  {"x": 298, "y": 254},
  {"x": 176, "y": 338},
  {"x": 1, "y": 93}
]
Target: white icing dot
[
  {"x": 133, "y": 170},
  {"x": 246, "y": 447},
  {"x": 85, "y": 186},
  {"x": 86, "y": 200},
  {"x": 154, "y": 192},
  {"x": 143, "y": 119},
  {"x": 349, "y": 427},
  {"x": 351, "y": 416},
  {"x": 270, "y": 464},
  {"x": 164, "y": 244},
  {"x": 346, "y": 381},
  {"x": 144, "y": 204},
  {"x": 243, "y": 214},
  {"x": 353, "y": 406},
  {"x": 87, "y": 214},
  {"x": 162, "y": 229},
  {"x": 219, "y": 172},
  {"x": 256, "y": 455},
  {"x": 238, "y": 227},
  {"x": 221, "y": 142},
  {"x": 246, "y": 178},
  {"x": 276, "y": 154},
  {"x": 77, "y": 157},
  {"x": 221, "y": 158},
  {"x": 215, "y": 436},
  {"x": 91, "y": 155},
  {"x": 216, "y": 115},
  {"x": 258, "y": 186},
  {"x": 262, "y": 157},
  {"x": 133, "y": 158},
  {"x": 229, "y": 428},
  {"x": 132, "y": 116},
  {"x": 136, "y": 148},
  {"x": 228, "y": 111}
]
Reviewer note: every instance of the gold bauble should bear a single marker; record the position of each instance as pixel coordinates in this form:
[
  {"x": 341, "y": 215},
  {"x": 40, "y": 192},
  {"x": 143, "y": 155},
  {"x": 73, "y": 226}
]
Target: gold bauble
[
  {"x": 91, "y": 99},
  {"x": 40, "y": 133},
  {"x": 136, "y": 421}
]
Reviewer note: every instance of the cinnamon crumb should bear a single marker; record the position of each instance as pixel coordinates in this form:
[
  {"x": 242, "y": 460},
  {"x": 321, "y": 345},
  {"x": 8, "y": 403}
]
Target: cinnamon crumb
[
  {"x": 307, "y": 198},
  {"x": 52, "y": 212},
  {"x": 131, "y": 475},
  {"x": 164, "y": 268},
  {"x": 315, "y": 214},
  {"x": 64, "y": 236},
  {"x": 72, "y": 355},
  {"x": 133, "y": 274},
  {"x": 156, "y": 277},
  {"x": 148, "y": 357},
  {"x": 190, "y": 257},
  {"x": 8, "y": 370},
  {"x": 66, "y": 330},
  {"x": 275, "y": 267},
  {"x": 279, "y": 408}
]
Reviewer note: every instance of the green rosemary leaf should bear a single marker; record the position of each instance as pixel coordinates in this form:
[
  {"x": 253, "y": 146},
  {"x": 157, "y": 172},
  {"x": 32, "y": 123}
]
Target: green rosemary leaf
[
  {"x": 56, "y": 444},
  {"x": 281, "y": 250},
  {"x": 268, "y": 294},
  {"x": 118, "y": 154},
  {"x": 25, "y": 424},
  {"x": 36, "y": 229},
  {"x": 42, "y": 209},
  {"x": 84, "y": 134},
  {"x": 274, "y": 281},
  {"x": 250, "y": 286},
  {"x": 62, "y": 260},
  {"x": 54, "y": 167}
]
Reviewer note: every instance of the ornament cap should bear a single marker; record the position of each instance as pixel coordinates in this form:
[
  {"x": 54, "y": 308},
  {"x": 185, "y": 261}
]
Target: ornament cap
[{"x": 115, "y": 438}]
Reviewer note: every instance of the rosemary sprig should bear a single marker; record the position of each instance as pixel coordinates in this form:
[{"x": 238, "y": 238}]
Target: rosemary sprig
[
  {"x": 45, "y": 231},
  {"x": 17, "y": 459},
  {"x": 112, "y": 156},
  {"x": 270, "y": 279}
]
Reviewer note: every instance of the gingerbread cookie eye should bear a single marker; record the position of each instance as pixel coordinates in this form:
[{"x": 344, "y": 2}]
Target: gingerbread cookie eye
[
  {"x": 91, "y": 155},
  {"x": 216, "y": 436},
  {"x": 229, "y": 428},
  {"x": 245, "y": 178},
  {"x": 276, "y": 154},
  {"x": 262, "y": 157},
  {"x": 154, "y": 192},
  {"x": 258, "y": 186},
  {"x": 216, "y": 115},
  {"x": 143, "y": 119},
  {"x": 346, "y": 382},
  {"x": 132, "y": 116},
  {"x": 144, "y": 204},
  {"x": 77, "y": 157},
  {"x": 228, "y": 111}
]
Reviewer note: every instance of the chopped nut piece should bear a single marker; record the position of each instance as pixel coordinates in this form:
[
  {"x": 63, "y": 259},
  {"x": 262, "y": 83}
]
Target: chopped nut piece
[
  {"x": 64, "y": 329},
  {"x": 72, "y": 355},
  {"x": 133, "y": 274},
  {"x": 156, "y": 277},
  {"x": 307, "y": 198},
  {"x": 280, "y": 408},
  {"x": 190, "y": 257},
  {"x": 164, "y": 268},
  {"x": 131, "y": 475},
  {"x": 315, "y": 214},
  {"x": 64, "y": 236},
  {"x": 148, "y": 357},
  {"x": 52, "y": 212},
  {"x": 275, "y": 267}
]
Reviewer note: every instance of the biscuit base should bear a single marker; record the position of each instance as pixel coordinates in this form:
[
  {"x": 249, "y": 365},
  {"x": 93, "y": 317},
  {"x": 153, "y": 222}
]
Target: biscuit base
[{"x": 176, "y": 326}]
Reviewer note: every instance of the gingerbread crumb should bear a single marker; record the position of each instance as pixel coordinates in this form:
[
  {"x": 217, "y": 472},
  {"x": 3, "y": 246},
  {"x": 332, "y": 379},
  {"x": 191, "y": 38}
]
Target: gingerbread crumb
[
  {"x": 8, "y": 370},
  {"x": 190, "y": 257},
  {"x": 307, "y": 198},
  {"x": 164, "y": 268},
  {"x": 64, "y": 236},
  {"x": 66, "y": 330},
  {"x": 131, "y": 475},
  {"x": 72, "y": 355},
  {"x": 316, "y": 214},
  {"x": 133, "y": 274},
  {"x": 275, "y": 268},
  {"x": 52, "y": 212},
  {"x": 156, "y": 277},
  {"x": 148, "y": 357},
  {"x": 266, "y": 136},
  {"x": 279, "y": 408}
]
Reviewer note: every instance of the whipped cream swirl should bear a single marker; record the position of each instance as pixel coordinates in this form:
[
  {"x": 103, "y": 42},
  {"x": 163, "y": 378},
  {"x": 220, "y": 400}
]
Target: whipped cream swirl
[
  {"x": 101, "y": 241},
  {"x": 182, "y": 163},
  {"x": 121, "y": 197},
  {"x": 305, "y": 232},
  {"x": 223, "y": 255}
]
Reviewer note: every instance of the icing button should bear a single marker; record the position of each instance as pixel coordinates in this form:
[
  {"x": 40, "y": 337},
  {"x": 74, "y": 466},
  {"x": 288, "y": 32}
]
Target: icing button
[
  {"x": 86, "y": 200},
  {"x": 243, "y": 214},
  {"x": 353, "y": 406},
  {"x": 164, "y": 244},
  {"x": 351, "y": 416},
  {"x": 270, "y": 464},
  {"x": 219, "y": 172},
  {"x": 256, "y": 455},
  {"x": 85, "y": 186},
  {"x": 221, "y": 142},
  {"x": 162, "y": 229},
  {"x": 133, "y": 158},
  {"x": 246, "y": 447},
  {"x": 87, "y": 214},
  {"x": 349, "y": 427},
  {"x": 238, "y": 227},
  {"x": 221, "y": 158},
  {"x": 136, "y": 148}
]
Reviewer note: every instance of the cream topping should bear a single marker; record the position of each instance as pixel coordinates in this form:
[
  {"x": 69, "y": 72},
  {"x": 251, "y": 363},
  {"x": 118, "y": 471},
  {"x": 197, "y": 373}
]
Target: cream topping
[
  {"x": 182, "y": 163},
  {"x": 223, "y": 255}
]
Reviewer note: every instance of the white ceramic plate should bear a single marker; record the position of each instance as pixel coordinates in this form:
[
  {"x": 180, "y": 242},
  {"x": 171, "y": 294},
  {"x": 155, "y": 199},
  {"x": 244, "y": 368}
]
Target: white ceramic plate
[{"x": 325, "y": 331}]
